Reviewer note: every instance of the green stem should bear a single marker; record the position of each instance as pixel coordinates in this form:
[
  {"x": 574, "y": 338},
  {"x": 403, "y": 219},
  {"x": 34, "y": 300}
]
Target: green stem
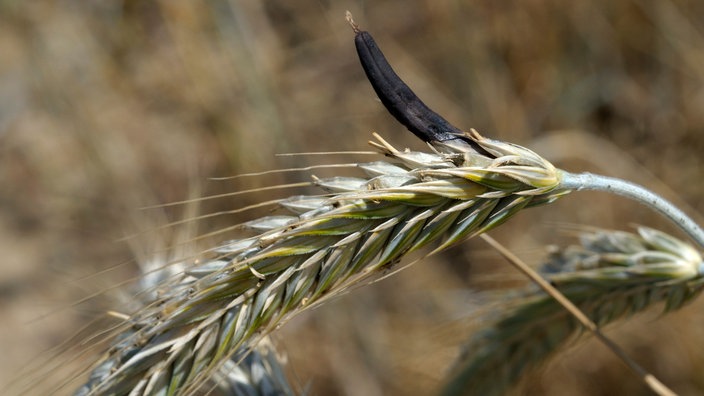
[{"x": 589, "y": 181}]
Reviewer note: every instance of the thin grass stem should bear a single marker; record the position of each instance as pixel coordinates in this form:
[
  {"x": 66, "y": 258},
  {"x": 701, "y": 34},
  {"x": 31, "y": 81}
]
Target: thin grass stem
[{"x": 589, "y": 181}]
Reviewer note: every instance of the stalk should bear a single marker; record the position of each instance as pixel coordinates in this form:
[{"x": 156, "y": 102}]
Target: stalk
[{"x": 589, "y": 181}]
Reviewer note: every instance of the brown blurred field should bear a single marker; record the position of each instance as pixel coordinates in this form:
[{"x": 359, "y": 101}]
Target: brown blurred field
[{"x": 107, "y": 107}]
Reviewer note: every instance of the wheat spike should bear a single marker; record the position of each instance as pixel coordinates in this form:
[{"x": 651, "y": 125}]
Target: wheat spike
[
  {"x": 612, "y": 274},
  {"x": 227, "y": 303}
]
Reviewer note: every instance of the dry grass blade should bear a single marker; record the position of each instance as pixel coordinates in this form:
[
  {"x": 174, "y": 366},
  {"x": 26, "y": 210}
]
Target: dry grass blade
[
  {"x": 228, "y": 302},
  {"x": 612, "y": 275}
]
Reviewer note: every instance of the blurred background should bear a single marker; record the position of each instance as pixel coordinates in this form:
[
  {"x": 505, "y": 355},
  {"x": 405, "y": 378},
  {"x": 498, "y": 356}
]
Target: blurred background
[{"x": 110, "y": 106}]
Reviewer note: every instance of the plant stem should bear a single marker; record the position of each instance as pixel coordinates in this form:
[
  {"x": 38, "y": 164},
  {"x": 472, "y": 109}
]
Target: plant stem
[{"x": 589, "y": 181}]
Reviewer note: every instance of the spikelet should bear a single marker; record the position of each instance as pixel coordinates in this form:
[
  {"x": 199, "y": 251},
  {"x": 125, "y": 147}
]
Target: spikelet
[
  {"x": 227, "y": 303},
  {"x": 255, "y": 371},
  {"x": 613, "y": 274}
]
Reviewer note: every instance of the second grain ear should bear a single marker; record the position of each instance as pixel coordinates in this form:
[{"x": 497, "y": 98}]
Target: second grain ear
[{"x": 398, "y": 98}]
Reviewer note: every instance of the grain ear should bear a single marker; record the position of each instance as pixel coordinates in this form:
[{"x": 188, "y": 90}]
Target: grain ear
[
  {"x": 610, "y": 276},
  {"x": 323, "y": 246}
]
